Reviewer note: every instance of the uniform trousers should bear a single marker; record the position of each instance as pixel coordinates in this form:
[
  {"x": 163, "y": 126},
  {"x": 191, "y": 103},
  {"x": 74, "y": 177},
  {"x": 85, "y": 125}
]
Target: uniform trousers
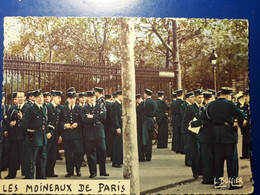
[
  {"x": 177, "y": 139},
  {"x": 94, "y": 148},
  {"x": 162, "y": 134},
  {"x": 186, "y": 139},
  {"x": 52, "y": 147},
  {"x": 224, "y": 151},
  {"x": 16, "y": 157},
  {"x": 207, "y": 157},
  {"x": 118, "y": 149},
  {"x": 73, "y": 155},
  {"x": 195, "y": 154},
  {"x": 35, "y": 157}
]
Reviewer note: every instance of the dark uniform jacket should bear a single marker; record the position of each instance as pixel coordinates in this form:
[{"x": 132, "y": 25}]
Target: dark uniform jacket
[
  {"x": 190, "y": 112},
  {"x": 162, "y": 108},
  {"x": 116, "y": 116},
  {"x": 37, "y": 120},
  {"x": 222, "y": 114},
  {"x": 183, "y": 107},
  {"x": 71, "y": 117},
  {"x": 92, "y": 127},
  {"x": 176, "y": 114},
  {"x": 53, "y": 121},
  {"x": 205, "y": 133},
  {"x": 107, "y": 121},
  {"x": 16, "y": 132},
  {"x": 4, "y": 121}
]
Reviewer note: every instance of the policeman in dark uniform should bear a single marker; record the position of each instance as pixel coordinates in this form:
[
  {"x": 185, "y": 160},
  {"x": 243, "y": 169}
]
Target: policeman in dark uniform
[
  {"x": 94, "y": 135},
  {"x": 222, "y": 112},
  {"x": 47, "y": 97},
  {"x": 174, "y": 96},
  {"x": 53, "y": 132},
  {"x": 35, "y": 122},
  {"x": 4, "y": 125},
  {"x": 149, "y": 107},
  {"x": 99, "y": 96},
  {"x": 30, "y": 98},
  {"x": 185, "y": 133},
  {"x": 162, "y": 120},
  {"x": 191, "y": 112},
  {"x": 70, "y": 122},
  {"x": 108, "y": 126},
  {"x": 116, "y": 118},
  {"x": 176, "y": 121},
  {"x": 140, "y": 119},
  {"x": 82, "y": 99},
  {"x": 6, "y": 145},
  {"x": 16, "y": 137},
  {"x": 246, "y": 131},
  {"x": 206, "y": 142}
]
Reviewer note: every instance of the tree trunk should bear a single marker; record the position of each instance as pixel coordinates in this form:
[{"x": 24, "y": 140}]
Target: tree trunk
[
  {"x": 131, "y": 165},
  {"x": 175, "y": 56}
]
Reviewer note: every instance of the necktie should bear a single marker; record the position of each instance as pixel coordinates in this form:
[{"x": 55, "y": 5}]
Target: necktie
[
  {"x": 19, "y": 107},
  {"x": 41, "y": 108},
  {"x": 70, "y": 108}
]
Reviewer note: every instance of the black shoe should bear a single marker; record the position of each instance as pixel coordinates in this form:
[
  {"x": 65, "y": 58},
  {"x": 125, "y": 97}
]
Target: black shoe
[
  {"x": 69, "y": 174},
  {"x": 53, "y": 175},
  {"x": 9, "y": 177},
  {"x": 207, "y": 182},
  {"x": 242, "y": 157},
  {"x": 92, "y": 175},
  {"x": 148, "y": 159},
  {"x": 59, "y": 158},
  {"x": 104, "y": 174},
  {"x": 116, "y": 165},
  {"x": 195, "y": 176},
  {"x": 79, "y": 174},
  {"x": 141, "y": 160},
  {"x": 187, "y": 164}
]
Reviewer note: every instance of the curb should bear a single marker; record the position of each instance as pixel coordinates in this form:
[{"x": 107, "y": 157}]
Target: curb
[{"x": 161, "y": 188}]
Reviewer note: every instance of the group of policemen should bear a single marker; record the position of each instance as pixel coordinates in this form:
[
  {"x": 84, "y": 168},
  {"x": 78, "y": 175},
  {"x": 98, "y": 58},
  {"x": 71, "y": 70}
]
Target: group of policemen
[
  {"x": 31, "y": 131},
  {"x": 205, "y": 129}
]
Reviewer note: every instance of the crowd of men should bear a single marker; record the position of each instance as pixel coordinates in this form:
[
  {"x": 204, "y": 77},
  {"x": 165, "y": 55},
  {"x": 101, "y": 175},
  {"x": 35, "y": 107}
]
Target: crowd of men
[
  {"x": 91, "y": 123},
  {"x": 205, "y": 129}
]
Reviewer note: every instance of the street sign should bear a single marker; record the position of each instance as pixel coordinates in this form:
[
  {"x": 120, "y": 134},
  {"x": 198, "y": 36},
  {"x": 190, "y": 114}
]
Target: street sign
[{"x": 166, "y": 74}]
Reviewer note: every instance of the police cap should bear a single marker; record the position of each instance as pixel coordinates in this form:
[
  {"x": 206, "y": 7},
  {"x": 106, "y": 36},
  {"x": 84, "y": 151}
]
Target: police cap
[
  {"x": 187, "y": 95},
  {"x": 56, "y": 93},
  {"x": 198, "y": 92},
  {"x": 90, "y": 93},
  {"x": 36, "y": 93},
  {"x": 226, "y": 90},
  {"x": 45, "y": 94},
  {"x": 138, "y": 96},
  {"x": 98, "y": 89},
  {"x": 246, "y": 92},
  {"x": 160, "y": 93},
  {"x": 148, "y": 92},
  {"x": 207, "y": 94}
]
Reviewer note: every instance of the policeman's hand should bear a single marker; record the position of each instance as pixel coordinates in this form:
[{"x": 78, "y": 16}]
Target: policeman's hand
[
  {"x": 244, "y": 123},
  {"x": 20, "y": 114},
  {"x": 67, "y": 126},
  {"x": 48, "y": 135},
  {"x": 59, "y": 140},
  {"x": 118, "y": 131},
  {"x": 74, "y": 125},
  {"x": 235, "y": 124},
  {"x": 12, "y": 123},
  {"x": 190, "y": 123},
  {"x": 89, "y": 115},
  {"x": 6, "y": 133}
]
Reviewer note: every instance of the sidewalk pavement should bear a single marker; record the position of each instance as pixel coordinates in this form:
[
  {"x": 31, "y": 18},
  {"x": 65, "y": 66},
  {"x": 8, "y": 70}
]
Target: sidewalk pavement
[{"x": 165, "y": 174}]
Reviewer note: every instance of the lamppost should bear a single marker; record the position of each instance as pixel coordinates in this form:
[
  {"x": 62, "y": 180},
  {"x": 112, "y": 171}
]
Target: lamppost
[{"x": 213, "y": 60}]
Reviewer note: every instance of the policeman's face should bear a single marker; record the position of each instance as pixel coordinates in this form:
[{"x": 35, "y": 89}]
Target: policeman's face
[
  {"x": 120, "y": 97},
  {"x": 20, "y": 97},
  {"x": 71, "y": 100},
  {"x": 39, "y": 99},
  {"x": 247, "y": 98},
  {"x": 199, "y": 99},
  {"x": 229, "y": 97},
  {"x": 92, "y": 99},
  {"x": 138, "y": 100},
  {"x": 47, "y": 99},
  {"x": 191, "y": 99},
  {"x": 15, "y": 101},
  {"x": 82, "y": 100},
  {"x": 56, "y": 99}
]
